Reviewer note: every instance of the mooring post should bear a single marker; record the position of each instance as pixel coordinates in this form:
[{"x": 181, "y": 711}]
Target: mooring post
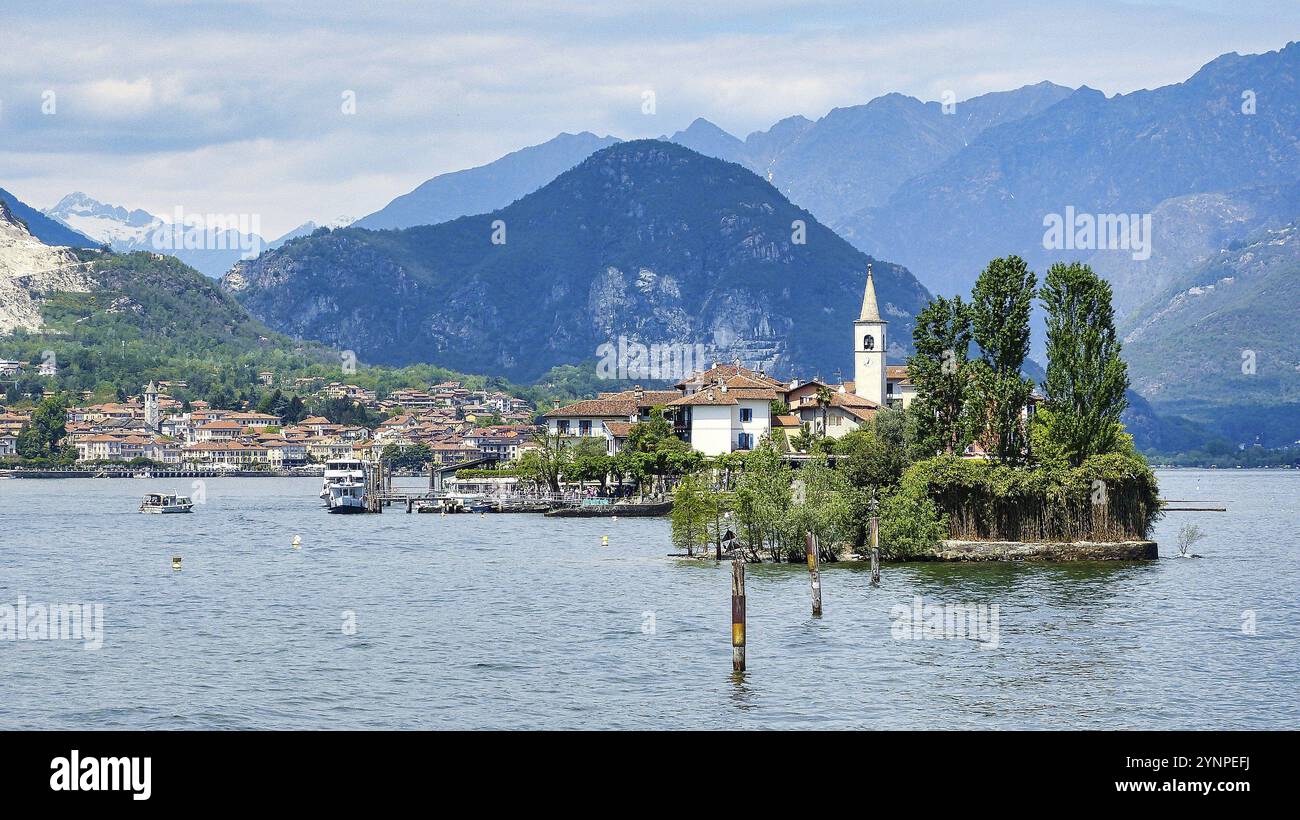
[
  {"x": 738, "y": 615},
  {"x": 875, "y": 540},
  {"x": 875, "y": 550},
  {"x": 814, "y": 571}
]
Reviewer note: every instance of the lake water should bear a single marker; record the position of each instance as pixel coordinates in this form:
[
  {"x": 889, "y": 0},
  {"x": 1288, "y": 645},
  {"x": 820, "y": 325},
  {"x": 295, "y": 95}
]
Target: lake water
[{"x": 516, "y": 621}]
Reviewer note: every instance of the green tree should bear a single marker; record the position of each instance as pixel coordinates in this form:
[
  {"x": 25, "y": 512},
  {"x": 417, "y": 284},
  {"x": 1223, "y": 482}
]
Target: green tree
[
  {"x": 545, "y": 463},
  {"x": 1000, "y": 306},
  {"x": 589, "y": 461},
  {"x": 41, "y": 437},
  {"x": 824, "y": 402},
  {"x": 940, "y": 370},
  {"x": 825, "y": 508},
  {"x": 691, "y": 514},
  {"x": 762, "y": 497},
  {"x": 1086, "y": 378}
]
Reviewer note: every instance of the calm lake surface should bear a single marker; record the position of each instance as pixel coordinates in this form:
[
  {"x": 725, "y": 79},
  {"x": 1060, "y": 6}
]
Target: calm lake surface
[{"x": 515, "y": 621}]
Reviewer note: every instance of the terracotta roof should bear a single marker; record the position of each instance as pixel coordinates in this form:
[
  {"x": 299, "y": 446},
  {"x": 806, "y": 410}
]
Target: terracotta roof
[
  {"x": 728, "y": 371},
  {"x": 752, "y": 392},
  {"x": 708, "y": 396},
  {"x": 596, "y": 407},
  {"x": 896, "y": 371},
  {"x": 623, "y": 403},
  {"x": 786, "y": 420},
  {"x": 619, "y": 429}
]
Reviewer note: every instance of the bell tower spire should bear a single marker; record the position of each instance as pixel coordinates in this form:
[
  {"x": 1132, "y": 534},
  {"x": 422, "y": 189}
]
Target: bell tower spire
[{"x": 869, "y": 347}]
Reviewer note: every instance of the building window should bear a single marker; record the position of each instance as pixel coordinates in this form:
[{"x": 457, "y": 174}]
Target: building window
[
  {"x": 868, "y": 342},
  {"x": 746, "y": 414},
  {"x": 584, "y": 428},
  {"x": 562, "y": 427},
  {"x": 745, "y": 441}
]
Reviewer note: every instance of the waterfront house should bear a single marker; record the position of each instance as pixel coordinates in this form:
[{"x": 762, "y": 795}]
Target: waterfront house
[{"x": 587, "y": 418}]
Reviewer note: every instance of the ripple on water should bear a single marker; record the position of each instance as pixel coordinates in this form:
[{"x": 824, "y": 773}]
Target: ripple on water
[{"x": 522, "y": 622}]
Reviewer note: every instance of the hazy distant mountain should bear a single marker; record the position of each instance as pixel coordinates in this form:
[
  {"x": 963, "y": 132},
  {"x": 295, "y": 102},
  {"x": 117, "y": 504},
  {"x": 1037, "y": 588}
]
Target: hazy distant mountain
[
  {"x": 708, "y": 139},
  {"x": 1219, "y": 344},
  {"x": 1097, "y": 155},
  {"x": 645, "y": 239},
  {"x": 1187, "y": 232},
  {"x": 49, "y": 231},
  {"x": 111, "y": 225},
  {"x": 309, "y": 227},
  {"x": 487, "y": 187},
  {"x": 211, "y": 252},
  {"x": 858, "y": 156}
]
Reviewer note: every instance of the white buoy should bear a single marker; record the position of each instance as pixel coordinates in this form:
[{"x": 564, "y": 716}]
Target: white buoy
[
  {"x": 176, "y": 562},
  {"x": 297, "y": 542}
]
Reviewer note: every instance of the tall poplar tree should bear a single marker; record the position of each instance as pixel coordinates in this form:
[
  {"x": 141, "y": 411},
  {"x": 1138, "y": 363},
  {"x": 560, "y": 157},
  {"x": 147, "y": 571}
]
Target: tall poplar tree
[
  {"x": 940, "y": 370},
  {"x": 1000, "y": 306},
  {"x": 1086, "y": 378}
]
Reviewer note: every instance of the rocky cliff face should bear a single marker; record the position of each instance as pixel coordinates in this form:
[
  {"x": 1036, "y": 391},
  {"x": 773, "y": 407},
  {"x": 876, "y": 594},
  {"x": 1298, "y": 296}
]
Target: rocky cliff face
[
  {"x": 30, "y": 271},
  {"x": 645, "y": 239}
]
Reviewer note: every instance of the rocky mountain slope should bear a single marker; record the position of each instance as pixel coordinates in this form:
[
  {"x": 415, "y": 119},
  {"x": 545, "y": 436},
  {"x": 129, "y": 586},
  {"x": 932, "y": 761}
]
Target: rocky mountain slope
[
  {"x": 644, "y": 239},
  {"x": 30, "y": 271},
  {"x": 49, "y": 231}
]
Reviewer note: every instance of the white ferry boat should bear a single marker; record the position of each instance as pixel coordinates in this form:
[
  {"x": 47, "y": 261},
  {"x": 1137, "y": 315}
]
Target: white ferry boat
[
  {"x": 342, "y": 469},
  {"x": 346, "y": 496},
  {"x": 165, "y": 503}
]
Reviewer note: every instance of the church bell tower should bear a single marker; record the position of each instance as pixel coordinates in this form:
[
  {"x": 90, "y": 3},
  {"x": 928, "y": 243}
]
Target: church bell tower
[
  {"x": 152, "y": 413},
  {"x": 869, "y": 347}
]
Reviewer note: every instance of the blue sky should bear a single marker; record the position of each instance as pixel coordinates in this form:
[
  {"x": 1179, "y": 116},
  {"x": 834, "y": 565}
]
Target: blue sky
[{"x": 236, "y": 107}]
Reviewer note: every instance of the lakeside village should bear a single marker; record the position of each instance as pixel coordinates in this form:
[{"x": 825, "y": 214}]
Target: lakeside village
[{"x": 955, "y": 456}]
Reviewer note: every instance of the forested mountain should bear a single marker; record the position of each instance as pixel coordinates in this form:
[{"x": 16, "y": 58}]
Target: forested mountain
[{"x": 644, "y": 239}]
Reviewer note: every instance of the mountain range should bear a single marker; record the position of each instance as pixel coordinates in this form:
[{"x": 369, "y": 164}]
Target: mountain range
[
  {"x": 129, "y": 230},
  {"x": 1211, "y": 165},
  {"x": 645, "y": 239}
]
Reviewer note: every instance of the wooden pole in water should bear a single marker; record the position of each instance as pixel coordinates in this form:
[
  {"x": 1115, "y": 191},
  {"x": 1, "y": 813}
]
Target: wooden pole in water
[
  {"x": 814, "y": 571},
  {"x": 738, "y": 615},
  {"x": 875, "y": 550}
]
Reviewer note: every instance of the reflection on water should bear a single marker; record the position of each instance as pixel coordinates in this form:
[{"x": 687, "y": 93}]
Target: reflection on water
[{"x": 517, "y": 621}]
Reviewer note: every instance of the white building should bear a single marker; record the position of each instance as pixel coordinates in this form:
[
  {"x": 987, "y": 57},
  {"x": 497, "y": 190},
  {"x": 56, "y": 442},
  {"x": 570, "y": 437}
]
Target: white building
[
  {"x": 725, "y": 408},
  {"x": 870, "y": 345}
]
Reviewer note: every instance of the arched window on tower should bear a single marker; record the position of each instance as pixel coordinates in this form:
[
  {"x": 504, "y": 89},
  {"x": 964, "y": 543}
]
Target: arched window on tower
[{"x": 868, "y": 342}]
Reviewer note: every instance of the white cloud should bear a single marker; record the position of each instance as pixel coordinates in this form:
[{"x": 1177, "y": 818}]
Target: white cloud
[{"x": 236, "y": 107}]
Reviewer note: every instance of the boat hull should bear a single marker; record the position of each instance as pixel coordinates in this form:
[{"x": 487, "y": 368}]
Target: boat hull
[{"x": 346, "y": 509}]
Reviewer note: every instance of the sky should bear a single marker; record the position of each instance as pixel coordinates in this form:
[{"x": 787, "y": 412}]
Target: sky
[{"x": 315, "y": 110}]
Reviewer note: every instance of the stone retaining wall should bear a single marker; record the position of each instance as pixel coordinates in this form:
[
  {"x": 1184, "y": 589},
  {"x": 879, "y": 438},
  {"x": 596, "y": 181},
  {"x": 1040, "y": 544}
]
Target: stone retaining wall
[{"x": 1045, "y": 551}]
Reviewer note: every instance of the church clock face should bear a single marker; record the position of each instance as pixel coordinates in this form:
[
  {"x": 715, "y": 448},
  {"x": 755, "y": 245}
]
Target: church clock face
[{"x": 868, "y": 342}]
